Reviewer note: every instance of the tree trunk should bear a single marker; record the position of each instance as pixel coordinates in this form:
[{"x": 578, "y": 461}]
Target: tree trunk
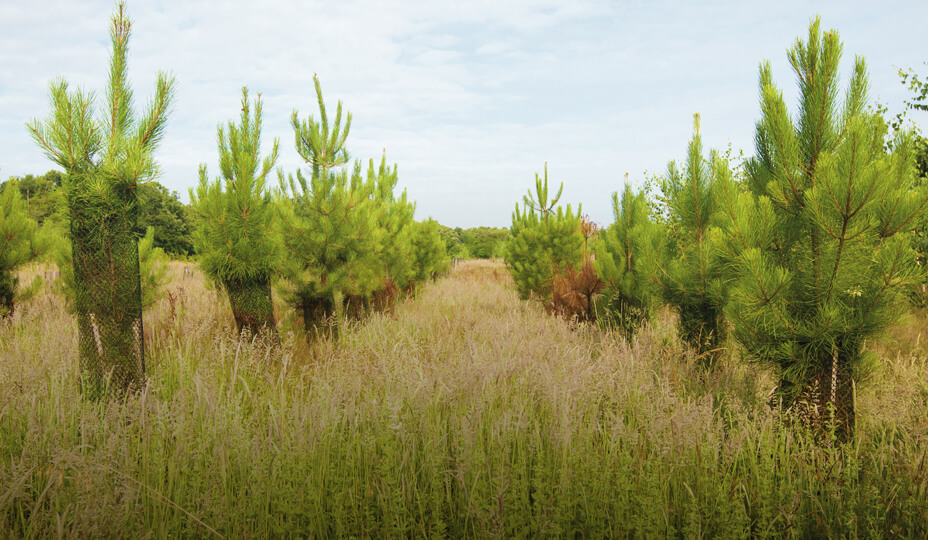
[
  {"x": 253, "y": 308},
  {"x": 384, "y": 298},
  {"x": 702, "y": 326},
  {"x": 826, "y": 403},
  {"x": 624, "y": 313},
  {"x": 108, "y": 301},
  {"x": 317, "y": 313},
  {"x": 355, "y": 306},
  {"x": 7, "y": 294},
  {"x": 835, "y": 401}
]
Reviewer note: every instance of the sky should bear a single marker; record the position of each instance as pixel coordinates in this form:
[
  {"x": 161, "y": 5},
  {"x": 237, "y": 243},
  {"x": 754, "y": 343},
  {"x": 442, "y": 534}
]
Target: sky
[{"x": 469, "y": 98}]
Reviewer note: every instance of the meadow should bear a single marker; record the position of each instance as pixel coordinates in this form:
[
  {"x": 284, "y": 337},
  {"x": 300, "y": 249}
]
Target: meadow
[{"x": 464, "y": 412}]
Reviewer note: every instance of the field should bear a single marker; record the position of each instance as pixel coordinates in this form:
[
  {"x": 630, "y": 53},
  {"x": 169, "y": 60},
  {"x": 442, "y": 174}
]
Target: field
[{"x": 464, "y": 413}]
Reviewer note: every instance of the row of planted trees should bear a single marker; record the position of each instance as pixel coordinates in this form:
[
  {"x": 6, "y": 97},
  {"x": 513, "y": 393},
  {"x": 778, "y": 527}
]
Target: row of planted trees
[
  {"x": 341, "y": 241},
  {"x": 334, "y": 239},
  {"x": 803, "y": 255}
]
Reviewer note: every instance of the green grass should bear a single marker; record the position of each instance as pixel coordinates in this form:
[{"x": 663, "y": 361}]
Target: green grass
[{"x": 466, "y": 413}]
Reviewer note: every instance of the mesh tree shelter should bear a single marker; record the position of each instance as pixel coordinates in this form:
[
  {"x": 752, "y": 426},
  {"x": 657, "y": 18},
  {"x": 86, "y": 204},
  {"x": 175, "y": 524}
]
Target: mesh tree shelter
[
  {"x": 236, "y": 239},
  {"x": 104, "y": 159},
  {"x": 152, "y": 270},
  {"x": 822, "y": 244}
]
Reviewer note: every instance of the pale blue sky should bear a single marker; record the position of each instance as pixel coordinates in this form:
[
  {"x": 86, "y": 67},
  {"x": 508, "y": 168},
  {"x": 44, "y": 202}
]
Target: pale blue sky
[{"x": 469, "y": 98}]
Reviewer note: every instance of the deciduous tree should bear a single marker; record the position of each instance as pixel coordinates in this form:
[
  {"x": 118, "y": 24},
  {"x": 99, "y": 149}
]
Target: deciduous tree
[{"x": 163, "y": 211}]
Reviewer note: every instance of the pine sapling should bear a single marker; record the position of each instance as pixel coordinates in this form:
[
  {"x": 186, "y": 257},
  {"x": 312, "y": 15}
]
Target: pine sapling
[
  {"x": 822, "y": 245},
  {"x": 329, "y": 222},
  {"x": 546, "y": 240},
  {"x": 236, "y": 239},
  {"x": 624, "y": 261},
  {"x": 689, "y": 277},
  {"x": 394, "y": 235},
  {"x": 21, "y": 241},
  {"x": 104, "y": 160}
]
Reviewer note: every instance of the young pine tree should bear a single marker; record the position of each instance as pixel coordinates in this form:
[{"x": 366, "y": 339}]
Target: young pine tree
[
  {"x": 235, "y": 239},
  {"x": 429, "y": 255},
  {"x": 624, "y": 262},
  {"x": 688, "y": 276},
  {"x": 328, "y": 222},
  {"x": 394, "y": 233},
  {"x": 544, "y": 243},
  {"x": 105, "y": 159},
  {"x": 822, "y": 244},
  {"x": 20, "y": 242}
]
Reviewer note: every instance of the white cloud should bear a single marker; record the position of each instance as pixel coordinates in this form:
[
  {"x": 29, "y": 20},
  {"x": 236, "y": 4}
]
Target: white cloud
[{"x": 470, "y": 98}]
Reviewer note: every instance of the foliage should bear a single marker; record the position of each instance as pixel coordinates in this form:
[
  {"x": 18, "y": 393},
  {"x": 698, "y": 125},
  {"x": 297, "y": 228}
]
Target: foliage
[
  {"x": 104, "y": 161},
  {"x": 475, "y": 242},
  {"x": 485, "y": 242},
  {"x": 625, "y": 257},
  {"x": 235, "y": 238},
  {"x": 688, "y": 276},
  {"x": 919, "y": 88},
  {"x": 917, "y": 102},
  {"x": 822, "y": 245},
  {"x": 329, "y": 221},
  {"x": 158, "y": 207},
  {"x": 544, "y": 242},
  {"x": 20, "y": 242},
  {"x": 162, "y": 210},
  {"x": 573, "y": 289},
  {"x": 44, "y": 198},
  {"x": 394, "y": 235},
  {"x": 153, "y": 269},
  {"x": 431, "y": 259},
  {"x": 452, "y": 240}
]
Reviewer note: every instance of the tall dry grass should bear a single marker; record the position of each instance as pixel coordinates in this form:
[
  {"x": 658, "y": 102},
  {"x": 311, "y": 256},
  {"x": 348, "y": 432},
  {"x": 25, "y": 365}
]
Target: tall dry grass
[{"x": 464, "y": 413}]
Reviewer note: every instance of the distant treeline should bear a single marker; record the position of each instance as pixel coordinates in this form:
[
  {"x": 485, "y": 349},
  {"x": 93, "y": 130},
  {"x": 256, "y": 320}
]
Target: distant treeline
[
  {"x": 476, "y": 242},
  {"x": 161, "y": 209}
]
